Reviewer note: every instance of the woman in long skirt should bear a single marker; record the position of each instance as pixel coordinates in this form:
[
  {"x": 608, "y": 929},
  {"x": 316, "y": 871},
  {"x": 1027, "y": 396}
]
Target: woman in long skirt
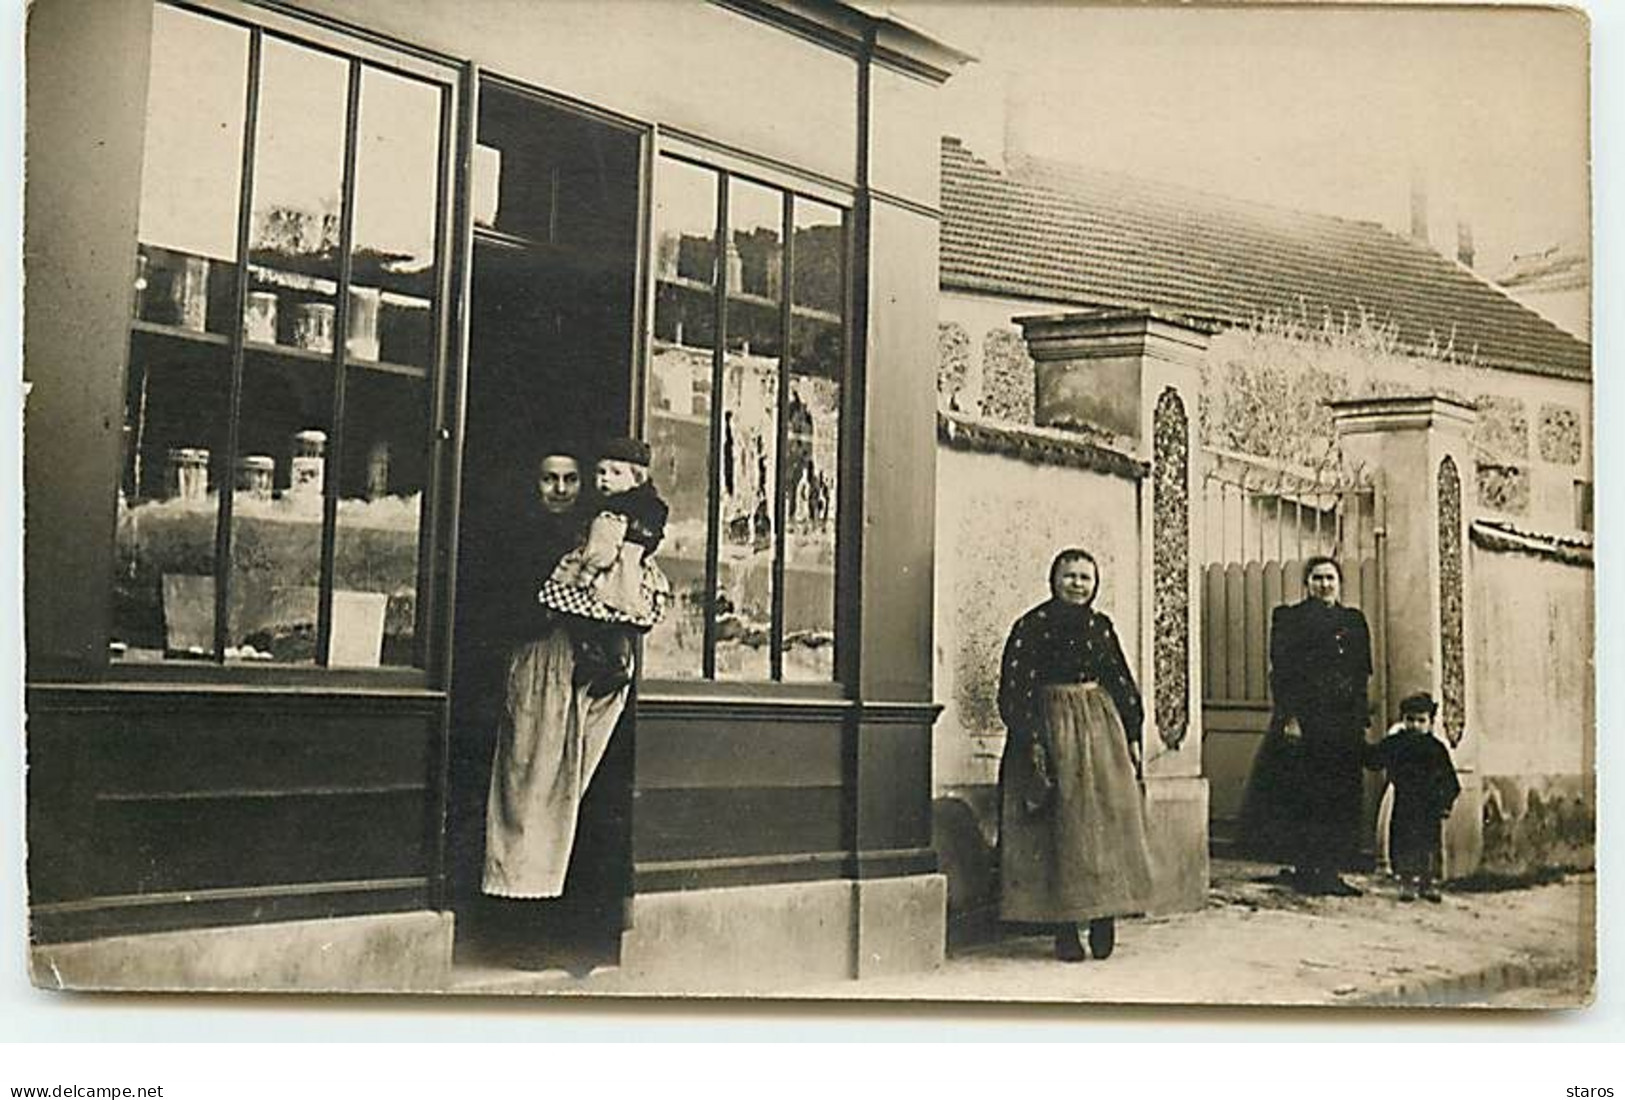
[
  {"x": 1072, "y": 842},
  {"x": 552, "y": 738}
]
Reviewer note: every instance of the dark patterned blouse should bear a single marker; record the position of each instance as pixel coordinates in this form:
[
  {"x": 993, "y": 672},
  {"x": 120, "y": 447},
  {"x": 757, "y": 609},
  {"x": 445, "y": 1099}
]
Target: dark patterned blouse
[{"x": 1062, "y": 643}]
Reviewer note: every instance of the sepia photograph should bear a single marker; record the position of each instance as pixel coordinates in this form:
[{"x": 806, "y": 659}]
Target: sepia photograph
[{"x": 814, "y": 500}]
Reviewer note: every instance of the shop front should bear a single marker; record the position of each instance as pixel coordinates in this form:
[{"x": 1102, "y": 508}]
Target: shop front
[{"x": 309, "y": 286}]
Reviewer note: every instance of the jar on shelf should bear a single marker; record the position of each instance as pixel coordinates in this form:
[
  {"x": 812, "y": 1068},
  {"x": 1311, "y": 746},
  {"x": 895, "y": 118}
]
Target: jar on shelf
[
  {"x": 255, "y": 475},
  {"x": 487, "y": 188},
  {"x": 362, "y": 338},
  {"x": 259, "y": 317},
  {"x": 142, "y": 263},
  {"x": 189, "y": 293},
  {"x": 307, "y": 468},
  {"x": 188, "y": 473},
  {"x": 313, "y": 326},
  {"x": 378, "y": 470}
]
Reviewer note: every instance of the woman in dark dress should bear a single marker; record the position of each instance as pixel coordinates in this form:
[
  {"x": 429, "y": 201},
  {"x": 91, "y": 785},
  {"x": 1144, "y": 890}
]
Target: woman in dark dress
[
  {"x": 1320, "y": 664},
  {"x": 1072, "y": 842}
]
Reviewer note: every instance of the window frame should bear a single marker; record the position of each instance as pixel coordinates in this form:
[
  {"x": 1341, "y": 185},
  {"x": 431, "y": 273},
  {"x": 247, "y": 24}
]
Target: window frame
[
  {"x": 359, "y": 51},
  {"x": 795, "y": 188}
]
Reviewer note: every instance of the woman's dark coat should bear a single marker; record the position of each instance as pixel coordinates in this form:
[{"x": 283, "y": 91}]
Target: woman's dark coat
[{"x": 1305, "y": 797}]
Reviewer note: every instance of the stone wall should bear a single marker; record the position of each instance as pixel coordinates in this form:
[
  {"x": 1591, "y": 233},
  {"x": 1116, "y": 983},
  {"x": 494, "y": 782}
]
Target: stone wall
[
  {"x": 1533, "y": 715},
  {"x": 1264, "y": 389},
  {"x": 1000, "y": 521}
]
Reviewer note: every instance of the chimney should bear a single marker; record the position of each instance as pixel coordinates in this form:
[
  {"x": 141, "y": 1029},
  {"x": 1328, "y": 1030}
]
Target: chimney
[
  {"x": 1419, "y": 207},
  {"x": 1464, "y": 243}
]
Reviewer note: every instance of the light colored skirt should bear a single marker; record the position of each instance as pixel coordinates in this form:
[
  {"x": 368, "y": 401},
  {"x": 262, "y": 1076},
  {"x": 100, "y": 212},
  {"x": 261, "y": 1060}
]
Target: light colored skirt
[
  {"x": 1085, "y": 854},
  {"x": 552, "y": 737}
]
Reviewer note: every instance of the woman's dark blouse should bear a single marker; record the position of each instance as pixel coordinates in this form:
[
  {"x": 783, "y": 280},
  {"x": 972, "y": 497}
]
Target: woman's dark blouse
[
  {"x": 1062, "y": 643},
  {"x": 1320, "y": 662}
]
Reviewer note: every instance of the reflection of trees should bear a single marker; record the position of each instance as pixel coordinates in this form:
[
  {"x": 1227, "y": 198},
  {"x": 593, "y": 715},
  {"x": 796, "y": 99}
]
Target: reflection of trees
[
  {"x": 306, "y": 242},
  {"x": 820, "y": 250},
  {"x": 761, "y": 260}
]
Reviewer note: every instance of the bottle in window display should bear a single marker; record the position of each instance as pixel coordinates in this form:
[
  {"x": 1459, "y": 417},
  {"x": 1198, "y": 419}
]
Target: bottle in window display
[
  {"x": 308, "y": 466},
  {"x": 255, "y": 475}
]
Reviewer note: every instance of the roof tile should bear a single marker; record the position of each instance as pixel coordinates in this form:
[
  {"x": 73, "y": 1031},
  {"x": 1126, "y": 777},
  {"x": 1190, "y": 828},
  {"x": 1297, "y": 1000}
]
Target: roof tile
[{"x": 1089, "y": 237}]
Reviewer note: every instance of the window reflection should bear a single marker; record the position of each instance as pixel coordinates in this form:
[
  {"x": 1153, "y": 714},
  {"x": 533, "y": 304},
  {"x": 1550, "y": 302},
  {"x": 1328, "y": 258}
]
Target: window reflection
[
  {"x": 384, "y": 465},
  {"x": 193, "y": 166},
  {"x": 749, "y": 407},
  {"x": 175, "y": 414},
  {"x": 680, "y": 372},
  {"x": 396, "y": 197},
  {"x": 772, "y": 430},
  {"x": 286, "y": 427},
  {"x": 812, "y": 444}
]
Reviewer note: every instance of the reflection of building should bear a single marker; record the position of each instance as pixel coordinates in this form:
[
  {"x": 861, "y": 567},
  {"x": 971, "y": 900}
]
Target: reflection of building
[
  {"x": 300, "y": 806},
  {"x": 1554, "y": 282}
]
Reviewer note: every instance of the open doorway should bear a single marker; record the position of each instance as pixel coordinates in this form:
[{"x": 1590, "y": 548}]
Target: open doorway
[{"x": 552, "y": 322}]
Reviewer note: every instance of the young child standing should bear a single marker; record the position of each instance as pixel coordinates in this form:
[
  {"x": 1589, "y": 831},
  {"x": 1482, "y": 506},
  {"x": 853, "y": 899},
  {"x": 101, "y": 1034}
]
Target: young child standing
[
  {"x": 1425, "y": 787},
  {"x": 608, "y": 585}
]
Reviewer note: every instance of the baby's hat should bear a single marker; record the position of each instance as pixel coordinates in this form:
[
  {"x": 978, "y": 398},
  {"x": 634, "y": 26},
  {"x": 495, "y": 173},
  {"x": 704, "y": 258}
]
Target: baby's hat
[
  {"x": 1419, "y": 703},
  {"x": 624, "y": 448}
]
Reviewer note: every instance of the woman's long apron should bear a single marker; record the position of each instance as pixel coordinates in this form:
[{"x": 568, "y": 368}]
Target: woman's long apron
[
  {"x": 1085, "y": 854},
  {"x": 551, "y": 740}
]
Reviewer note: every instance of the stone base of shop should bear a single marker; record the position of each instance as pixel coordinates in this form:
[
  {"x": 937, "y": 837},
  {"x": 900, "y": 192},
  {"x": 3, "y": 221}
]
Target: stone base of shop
[
  {"x": 754, "y": 938},
  {"x": 383, "y": 953}
]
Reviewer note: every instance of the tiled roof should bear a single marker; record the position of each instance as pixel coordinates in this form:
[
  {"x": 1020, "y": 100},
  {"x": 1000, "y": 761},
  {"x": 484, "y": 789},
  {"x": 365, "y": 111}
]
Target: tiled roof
[
  {"x": 1509, "y": 538},
  {"x": 1089, "y": 237},
  {"x": 1043, "y": 446}
]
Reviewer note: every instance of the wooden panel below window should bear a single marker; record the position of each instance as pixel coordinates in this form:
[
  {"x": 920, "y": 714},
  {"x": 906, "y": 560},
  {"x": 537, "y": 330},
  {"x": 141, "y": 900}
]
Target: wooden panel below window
[
  {"x": 143, "y": 802},
  {"x": 701, "y": 824},
  {"x": 722, "y": 750}
]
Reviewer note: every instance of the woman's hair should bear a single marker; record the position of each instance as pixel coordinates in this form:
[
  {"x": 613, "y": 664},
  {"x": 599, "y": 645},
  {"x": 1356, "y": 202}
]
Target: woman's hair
[
  {"x": 1316, "y": 562},
  {"x": 1067, "y": 557}
]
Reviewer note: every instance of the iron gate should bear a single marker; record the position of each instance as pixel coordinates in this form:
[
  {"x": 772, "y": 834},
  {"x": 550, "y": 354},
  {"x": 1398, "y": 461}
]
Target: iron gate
[{"x": 1261, "y": 522}]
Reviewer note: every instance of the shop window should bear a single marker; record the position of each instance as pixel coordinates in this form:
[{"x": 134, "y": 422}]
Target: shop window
[
  {"x": 284, "y": 353},
  {"x": 745, "y": 427}
]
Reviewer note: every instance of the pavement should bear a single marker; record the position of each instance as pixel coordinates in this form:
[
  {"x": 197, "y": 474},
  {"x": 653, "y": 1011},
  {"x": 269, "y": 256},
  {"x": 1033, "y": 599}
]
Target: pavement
[
  {"x": 1259, "y": 943},
  {"x": 1255, "y": 943}
]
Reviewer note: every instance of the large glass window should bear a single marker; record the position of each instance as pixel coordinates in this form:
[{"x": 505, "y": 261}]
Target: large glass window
[
  {"x": 746, "y": 428},
  {"x": 283, "y": 355}
]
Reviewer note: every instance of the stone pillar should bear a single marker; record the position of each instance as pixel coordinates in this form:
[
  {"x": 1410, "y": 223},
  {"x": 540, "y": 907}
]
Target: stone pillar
[
  {"x": 1135, "y": 375},
  {"x": 1421, "y": 449}
]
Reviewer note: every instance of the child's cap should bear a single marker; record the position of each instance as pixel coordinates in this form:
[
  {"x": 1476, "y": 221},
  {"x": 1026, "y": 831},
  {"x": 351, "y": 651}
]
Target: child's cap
[
  {"x": 1420, "y": 703},
  {"x": 625, "y": 449}
]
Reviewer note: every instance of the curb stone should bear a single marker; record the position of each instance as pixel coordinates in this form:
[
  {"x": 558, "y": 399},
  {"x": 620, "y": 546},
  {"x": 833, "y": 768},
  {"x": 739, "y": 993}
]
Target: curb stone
[{"x": 1465, "y": 989}]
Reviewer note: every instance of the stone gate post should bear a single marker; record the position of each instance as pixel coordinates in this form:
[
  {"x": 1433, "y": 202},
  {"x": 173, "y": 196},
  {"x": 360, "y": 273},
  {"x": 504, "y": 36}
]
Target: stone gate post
[
  {"x": 1421, "y": 447},
  {"x": 1134, "y": 375}
]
